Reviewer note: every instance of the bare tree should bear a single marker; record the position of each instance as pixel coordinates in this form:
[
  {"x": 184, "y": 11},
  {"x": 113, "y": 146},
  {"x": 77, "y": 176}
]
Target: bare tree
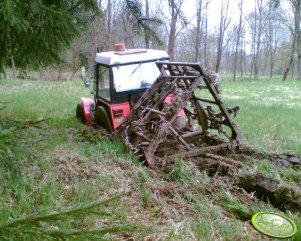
[
  {"x": 242, "y": 55},
  {"x": 238, "y": 39},
  {"x": 272, "y": 36},
  {"x": 296, "y": 36},
  {"x": 297, "y": 8},
  {"x": 257, "y": 21},
  {"x": 176, "y": 15},
  {"x": 288, "y": 22},
  {"x": 223, "y": 25},
  {"x": 146, "y": 33},
  {"x": 206, "y": 62},
  {"x": 291, "y": 59},
  {"x": 198, "y": 30}
]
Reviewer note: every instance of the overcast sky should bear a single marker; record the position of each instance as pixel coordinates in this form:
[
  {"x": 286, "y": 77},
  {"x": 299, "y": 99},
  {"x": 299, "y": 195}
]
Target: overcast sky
[{"x": 214, "y": 9}]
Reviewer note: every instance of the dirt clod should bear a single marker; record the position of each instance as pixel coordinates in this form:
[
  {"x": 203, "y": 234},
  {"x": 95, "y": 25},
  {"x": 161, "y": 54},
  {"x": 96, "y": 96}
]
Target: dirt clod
[{"x": 272, "y": 190}]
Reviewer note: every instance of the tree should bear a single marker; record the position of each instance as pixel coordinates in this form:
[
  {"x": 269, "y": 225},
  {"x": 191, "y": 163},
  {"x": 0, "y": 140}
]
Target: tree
[
  {"x": 296, "y": 42},
  {"x": 176, "y": 15},
  {"x": 288, "y": 22},
  {"x": 223, "y": 25},
  {"x": 206, "y": 62},
  {"x": 146, "y": 34},
  {"x": 139, "y": 22},
  {"x": 34, "y": 33},
  {"x": 238, "y": 39},
  {"x": 297, "y": 8},
  {"x": 199, "y": 8},
  {"x": 272, "y": 37},
  {"x": 257, "y": 21}
]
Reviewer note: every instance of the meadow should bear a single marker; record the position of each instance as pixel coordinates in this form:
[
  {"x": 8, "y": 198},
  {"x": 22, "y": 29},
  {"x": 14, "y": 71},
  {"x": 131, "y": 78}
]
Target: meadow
[{"x": 60, "y": 179}]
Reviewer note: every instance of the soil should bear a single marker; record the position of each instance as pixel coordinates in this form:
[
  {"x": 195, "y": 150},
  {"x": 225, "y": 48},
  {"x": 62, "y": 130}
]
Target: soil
[{"x": 224, "y": 163}]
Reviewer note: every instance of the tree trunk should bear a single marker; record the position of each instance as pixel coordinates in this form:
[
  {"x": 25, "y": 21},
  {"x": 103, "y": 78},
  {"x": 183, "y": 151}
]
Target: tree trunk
[
  {"x": 291, "y": 60},
  {"x": 251, "y": 71},
  {"x": 257, "y": 57},
  {"x": 206, "y": 36},
  {"x": 220, "y": 42},
  {"x": 257, "y": 28},
  {"x": 297, "y": 8},
  {"x": 59, "y": 73},
  {"x": 198, "y": 31},
  {"x": 13, "y": 66},
  {"x": 271, "y": 41},
  {"x": 223, "y": 25},
  {"x": 242, "y": 58},
  {"x": 109, "y": 26},
  {"x": 176, "y": 15},
  {"x": 172, "y": 33},
  {"x": 272, "y": 38},
  {"x": 146, "y": 34},
  {"x": 238, "y": 38}
]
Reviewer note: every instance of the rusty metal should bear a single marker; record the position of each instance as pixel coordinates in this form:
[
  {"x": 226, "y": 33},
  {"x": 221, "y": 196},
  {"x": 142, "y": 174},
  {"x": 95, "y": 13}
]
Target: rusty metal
[{"x": 156, "y": 128}]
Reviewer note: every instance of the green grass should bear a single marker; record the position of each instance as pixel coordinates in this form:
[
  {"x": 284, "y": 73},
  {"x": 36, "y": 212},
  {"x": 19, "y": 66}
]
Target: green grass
[
  {"x": 270, "y": 113},
  {"x": 36, "y": 100},
  {"x": 49, "y": 161}
]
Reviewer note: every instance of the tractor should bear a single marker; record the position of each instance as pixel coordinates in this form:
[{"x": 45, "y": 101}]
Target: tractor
[
  {"x": 120, "y": 79},
  {"x": 156, "y": 107}
]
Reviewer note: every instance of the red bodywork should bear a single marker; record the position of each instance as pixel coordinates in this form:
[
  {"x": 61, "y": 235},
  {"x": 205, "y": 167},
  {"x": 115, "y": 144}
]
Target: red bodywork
[
  {"x": 169, "y": 99},
  {"x": 87, "y": 104},
  {"x": 116, "y": 112}
]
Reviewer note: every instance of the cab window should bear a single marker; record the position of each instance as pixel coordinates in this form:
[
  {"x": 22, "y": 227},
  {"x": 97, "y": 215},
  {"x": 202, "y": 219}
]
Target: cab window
[
  {"x": 135, "y": 76},
  {"x": 104, "y": 82}
]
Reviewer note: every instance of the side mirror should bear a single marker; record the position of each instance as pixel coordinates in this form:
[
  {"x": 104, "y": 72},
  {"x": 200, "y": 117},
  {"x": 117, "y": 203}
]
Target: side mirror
[
  {"x": 87, "y": 82},
  {"x": 84, "y": 76},
  {"x": 83, "y": 73}
]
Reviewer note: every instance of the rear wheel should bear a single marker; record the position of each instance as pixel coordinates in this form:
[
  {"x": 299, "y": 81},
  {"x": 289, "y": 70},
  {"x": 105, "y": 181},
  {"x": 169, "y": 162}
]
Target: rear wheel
[
  {"x": 80, "y": 113},
  {"x": 101, "y": 117}
]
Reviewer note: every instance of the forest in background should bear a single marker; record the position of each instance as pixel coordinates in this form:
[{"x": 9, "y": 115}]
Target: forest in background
[{"x": 265, "y": 40}]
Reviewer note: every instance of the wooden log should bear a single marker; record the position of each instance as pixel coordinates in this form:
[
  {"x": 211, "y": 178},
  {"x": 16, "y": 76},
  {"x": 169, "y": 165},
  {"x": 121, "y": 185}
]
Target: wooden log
[
  {"x": 202, "y": 150},
  {"x": 224, "y": 159}
]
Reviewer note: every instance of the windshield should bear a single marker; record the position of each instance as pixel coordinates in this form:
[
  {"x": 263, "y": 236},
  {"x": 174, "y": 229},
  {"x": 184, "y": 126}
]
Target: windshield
[{"x": 135, "y": 76}]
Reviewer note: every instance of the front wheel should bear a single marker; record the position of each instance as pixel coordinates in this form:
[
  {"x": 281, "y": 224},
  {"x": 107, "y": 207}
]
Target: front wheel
[
  {"x": 80, "y": 113},
  {"x": 101, "y": 117}
]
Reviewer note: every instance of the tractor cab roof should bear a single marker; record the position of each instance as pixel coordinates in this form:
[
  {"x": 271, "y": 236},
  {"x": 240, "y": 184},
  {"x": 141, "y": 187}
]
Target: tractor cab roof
[{"x": 130, "y": 56}]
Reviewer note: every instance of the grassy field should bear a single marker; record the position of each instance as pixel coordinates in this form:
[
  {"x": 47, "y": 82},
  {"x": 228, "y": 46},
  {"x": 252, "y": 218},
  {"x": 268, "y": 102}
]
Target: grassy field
[
  {"x": 270, "y": 113},
  {"x": 50, "y": 162}
]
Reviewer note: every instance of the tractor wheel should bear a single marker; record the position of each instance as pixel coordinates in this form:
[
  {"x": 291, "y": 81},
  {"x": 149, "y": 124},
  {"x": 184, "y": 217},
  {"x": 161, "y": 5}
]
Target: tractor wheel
[
  {"x": 101, "y": 117},
  {"x": 80, "y": 113}
]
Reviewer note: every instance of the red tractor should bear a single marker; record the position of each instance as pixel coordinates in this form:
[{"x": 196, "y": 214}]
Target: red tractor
[{"x": 120, "y": 79}]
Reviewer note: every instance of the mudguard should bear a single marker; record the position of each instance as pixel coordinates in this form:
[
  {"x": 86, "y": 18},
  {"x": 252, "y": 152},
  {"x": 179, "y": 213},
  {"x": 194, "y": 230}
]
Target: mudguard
[{"x": 87, "y": 105}]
